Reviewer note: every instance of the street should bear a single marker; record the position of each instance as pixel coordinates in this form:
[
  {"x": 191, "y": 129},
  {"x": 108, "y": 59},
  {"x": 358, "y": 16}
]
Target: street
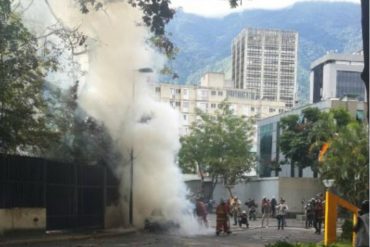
[{"x": 254, "y": 236}]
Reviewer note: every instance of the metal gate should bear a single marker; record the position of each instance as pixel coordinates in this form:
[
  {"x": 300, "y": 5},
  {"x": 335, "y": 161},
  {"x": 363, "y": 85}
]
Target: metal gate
[{"x": 74, "y": 195}]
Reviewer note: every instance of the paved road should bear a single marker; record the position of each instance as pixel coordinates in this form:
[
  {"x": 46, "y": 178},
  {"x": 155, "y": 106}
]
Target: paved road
[{"x": 255, "y": 236}]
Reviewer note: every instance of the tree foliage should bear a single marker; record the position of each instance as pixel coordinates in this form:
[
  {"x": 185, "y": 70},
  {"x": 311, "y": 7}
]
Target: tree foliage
[
  {"x": 219, "y": 145},
  {"x": 82, "y": 140},
  {"x": 303, "y": 136},
  {"x": 23, "y": 119},
  {"x": 347, "y": 162}
]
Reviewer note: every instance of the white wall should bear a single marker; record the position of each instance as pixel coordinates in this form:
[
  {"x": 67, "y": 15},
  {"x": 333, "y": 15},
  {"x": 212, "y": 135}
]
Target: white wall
[
  {"x": 22, "y": 218},
  {"x": 293, "y": 190}
]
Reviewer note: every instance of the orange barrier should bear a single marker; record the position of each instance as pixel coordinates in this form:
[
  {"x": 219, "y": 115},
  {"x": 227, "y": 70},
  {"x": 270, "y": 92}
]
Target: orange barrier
[{"x": 331, "y": 203}]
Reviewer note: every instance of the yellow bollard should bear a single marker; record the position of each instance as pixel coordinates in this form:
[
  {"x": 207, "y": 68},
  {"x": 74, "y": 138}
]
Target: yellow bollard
[{"x": 331, "y": 203}]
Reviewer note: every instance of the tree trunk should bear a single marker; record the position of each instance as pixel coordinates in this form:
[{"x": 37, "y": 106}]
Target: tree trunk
[
  {"x": 300, "y": 172},
  {"x": 292, "y": 169},
  {"x": 213, "y": 186},
  {"x": 229, "y": 189}
]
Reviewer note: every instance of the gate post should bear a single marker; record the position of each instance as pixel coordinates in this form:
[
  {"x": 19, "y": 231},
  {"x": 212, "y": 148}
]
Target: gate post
[
  {"x": 104, "y": 199},
  {"x": 330, "y": 218}
]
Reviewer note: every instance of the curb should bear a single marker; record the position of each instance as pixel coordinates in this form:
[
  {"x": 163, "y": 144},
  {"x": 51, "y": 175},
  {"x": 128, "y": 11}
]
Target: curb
[{"x": 47, "y": 239}]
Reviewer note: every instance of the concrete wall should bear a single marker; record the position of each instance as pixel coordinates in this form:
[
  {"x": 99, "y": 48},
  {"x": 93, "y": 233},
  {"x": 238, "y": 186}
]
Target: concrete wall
[
  {"x": 22, "y": 218},
  {"x": 113, "y": 217},
  {"x": 256, "y": 189},
  {"x": 293, "y": 190}
]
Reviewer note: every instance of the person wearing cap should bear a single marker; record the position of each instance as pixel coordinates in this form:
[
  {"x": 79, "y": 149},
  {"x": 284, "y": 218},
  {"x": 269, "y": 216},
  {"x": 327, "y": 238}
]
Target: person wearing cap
[
  {"x": 243, "y": 219},
  {"x": 362, "y": 226}
]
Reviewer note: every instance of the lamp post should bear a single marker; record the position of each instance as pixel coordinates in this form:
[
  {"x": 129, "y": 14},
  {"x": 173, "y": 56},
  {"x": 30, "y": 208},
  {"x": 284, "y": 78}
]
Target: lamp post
[
  {"x": 328, "y": 183},
  {"x": 330, "y": 213},
  {"x": 131, "y": 200}
]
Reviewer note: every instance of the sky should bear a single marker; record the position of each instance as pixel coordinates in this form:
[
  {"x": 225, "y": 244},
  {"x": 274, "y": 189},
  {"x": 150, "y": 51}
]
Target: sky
[{"x": 220, "y": 8}]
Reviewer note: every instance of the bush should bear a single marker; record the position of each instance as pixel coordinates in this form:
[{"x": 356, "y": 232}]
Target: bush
[{"x": 281, "y": 244}]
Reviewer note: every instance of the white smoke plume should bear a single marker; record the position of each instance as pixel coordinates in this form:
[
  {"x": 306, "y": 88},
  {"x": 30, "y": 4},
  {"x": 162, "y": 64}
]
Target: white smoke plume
[{"x": 117, "y": 94}]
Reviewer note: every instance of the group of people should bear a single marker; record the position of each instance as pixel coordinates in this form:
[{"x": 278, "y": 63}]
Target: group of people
[
  {"x": 233, "y": 208},
  {"x": 314, "y": 210},
  {"x": 272, "y": 208}
]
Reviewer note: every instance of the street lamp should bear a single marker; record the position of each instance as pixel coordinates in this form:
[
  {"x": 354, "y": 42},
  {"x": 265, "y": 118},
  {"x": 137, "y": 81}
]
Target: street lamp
[
  {"x": 131, "y": 202},
  {"x": 328, "y": 183}
]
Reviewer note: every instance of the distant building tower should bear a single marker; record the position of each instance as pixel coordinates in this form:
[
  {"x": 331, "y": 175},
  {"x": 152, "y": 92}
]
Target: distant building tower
[
  {"x": 264, "y": 62},
  {"x": 336, "y": 76}
]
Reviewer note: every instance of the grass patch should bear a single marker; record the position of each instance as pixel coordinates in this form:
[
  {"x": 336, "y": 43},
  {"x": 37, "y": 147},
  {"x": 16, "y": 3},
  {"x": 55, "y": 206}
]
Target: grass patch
[{"x": 287, "y": 244}]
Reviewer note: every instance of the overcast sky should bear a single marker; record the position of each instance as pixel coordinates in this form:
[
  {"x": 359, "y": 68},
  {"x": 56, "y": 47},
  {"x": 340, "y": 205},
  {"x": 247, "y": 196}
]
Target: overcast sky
[{"x": 219, "y": 8}]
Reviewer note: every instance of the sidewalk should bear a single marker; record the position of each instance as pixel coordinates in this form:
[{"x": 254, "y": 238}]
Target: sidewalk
[{"x": 32, "y": 237}]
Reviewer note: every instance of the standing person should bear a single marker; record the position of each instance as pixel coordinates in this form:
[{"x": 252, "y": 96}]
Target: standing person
[
  {"x": 281, "y": 210},
  {"x": 235, "y": 209},
  {"x": 252, "y": 209},
  {"x": 273, "y": 206},
  {"x": 318, "y": 213},
  {"x": 265, "y": 210},
  {"x": 362, "y": 226},
  {"x": 201, "y": 212},
  {"x": 309, "y": 209},
  {"x": 222, "y": 218}
]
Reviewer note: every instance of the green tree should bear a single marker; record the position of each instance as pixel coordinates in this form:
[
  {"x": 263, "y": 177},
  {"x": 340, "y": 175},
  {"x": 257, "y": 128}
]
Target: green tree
[
  {"x": 220, "y": 145},
  {"x": 82, "y": 140},
  {"x": 23, "y": 122},
  {"x": 325, "y": 128},
  {"x": 347, "y": 162},
  {"x": 303, "y": 135}
]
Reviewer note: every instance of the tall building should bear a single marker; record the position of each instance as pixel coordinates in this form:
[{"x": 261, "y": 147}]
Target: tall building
[
  {"x": 336, "y": 76},
  {"x": 264, "y": 63}
]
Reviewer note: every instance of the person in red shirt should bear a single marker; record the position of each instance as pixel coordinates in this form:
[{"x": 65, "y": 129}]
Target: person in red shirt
[
  {"x": 201, "y": 211},
  {"x": 222, "y": 218}
]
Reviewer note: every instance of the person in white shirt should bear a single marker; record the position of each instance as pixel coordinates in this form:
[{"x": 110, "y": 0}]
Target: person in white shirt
[{"x": 281, "y": 210}]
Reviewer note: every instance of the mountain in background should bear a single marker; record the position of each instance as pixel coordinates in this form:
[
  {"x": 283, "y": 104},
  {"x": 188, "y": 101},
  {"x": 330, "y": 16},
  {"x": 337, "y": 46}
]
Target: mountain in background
[{"x": 205, "y": 43}]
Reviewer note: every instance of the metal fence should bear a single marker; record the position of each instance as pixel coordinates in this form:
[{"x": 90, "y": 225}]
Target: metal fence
[{"x": 74, "y": 196}]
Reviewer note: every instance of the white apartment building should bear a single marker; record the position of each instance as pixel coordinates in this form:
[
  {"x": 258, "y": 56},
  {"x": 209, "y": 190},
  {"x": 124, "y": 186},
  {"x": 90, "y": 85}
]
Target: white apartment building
[
  {"x": 264, "y": 62},
  {"x": 207, "y": 96}
]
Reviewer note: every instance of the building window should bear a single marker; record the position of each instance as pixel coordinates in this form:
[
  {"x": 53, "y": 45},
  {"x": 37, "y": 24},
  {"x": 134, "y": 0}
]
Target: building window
[
  {"x": 157, "y": 89},
  {"x": 178, "y": 91},
  {"x": 272, "y": 110},
  {"x": 185, "y": 117},
  {"x": 185, "y": 104},
  {"x": 349, "y": 83},
  {"x": 220, "y": 93},
  {"x": 213, "y": 93},
  {"x": 252, "y": 109},
  {"x": 213, "y": 105}
]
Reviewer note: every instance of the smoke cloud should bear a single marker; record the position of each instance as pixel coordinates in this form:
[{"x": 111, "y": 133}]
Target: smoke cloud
[{"x": 117, "y": 94}]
